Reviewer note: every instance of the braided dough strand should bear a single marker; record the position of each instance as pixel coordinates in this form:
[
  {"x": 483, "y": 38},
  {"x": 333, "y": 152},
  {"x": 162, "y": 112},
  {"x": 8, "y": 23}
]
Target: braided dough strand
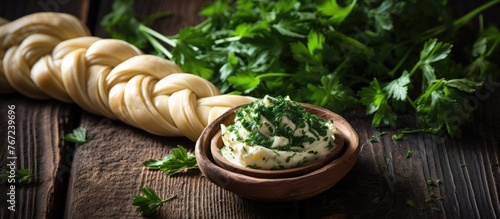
[
  {"x": 25, "y": 40},
  {"x": 51, "y": 55}
]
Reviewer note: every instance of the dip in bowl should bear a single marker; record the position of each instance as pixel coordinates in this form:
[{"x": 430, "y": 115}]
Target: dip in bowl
[
  {"x": 278, "y": 185},
  {"x": 275, "y": 137}
]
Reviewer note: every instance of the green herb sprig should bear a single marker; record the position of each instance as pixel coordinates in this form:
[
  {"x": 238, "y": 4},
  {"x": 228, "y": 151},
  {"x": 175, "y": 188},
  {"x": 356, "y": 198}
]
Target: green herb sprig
[
  {"x": 179, "y": 159},
  {"x": 79, "y": 135},
  {"x": 147, "y": 202},
  {"x": 21, "y": 176}
]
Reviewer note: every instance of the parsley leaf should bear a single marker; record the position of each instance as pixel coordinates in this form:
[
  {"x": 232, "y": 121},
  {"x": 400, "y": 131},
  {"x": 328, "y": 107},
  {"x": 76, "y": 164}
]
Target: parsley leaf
[
  {"x": 23, "y": 175},
  {"x": 481, "y": 68},
  {"x": 331, "y": 94},
  {"x": 410, "y": 203},
  {"x": 20, "y": 176},
  {"x": 178, "y": 160},
  {"x": 376, "y": 101},
  {"x": 432, "y": 182},
  {"x": 398, "y": 88},
  {"x": 334, "y": 11},
  {"x": 79, "y": 135},
  {"x": 312, "y": 54},
  {"x": 433, "y": 51},
  {"x": 409, "y": 153},
  {"x": 148, "y": 201},
  {"x": 290, "y": 28},
  {"x": 382, "y": 15},
  {"x": 121, "y": 23},
  {"x": 397, "y": 137},
  {"x": 372, "y": 139},
  {"x": 443, "y": 105},
  {"x": 244, "y": 82}
]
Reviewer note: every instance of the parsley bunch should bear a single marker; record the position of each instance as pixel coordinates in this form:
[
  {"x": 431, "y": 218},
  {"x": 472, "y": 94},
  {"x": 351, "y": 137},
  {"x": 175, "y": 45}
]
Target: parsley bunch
[{"x": 393, "y": 57}]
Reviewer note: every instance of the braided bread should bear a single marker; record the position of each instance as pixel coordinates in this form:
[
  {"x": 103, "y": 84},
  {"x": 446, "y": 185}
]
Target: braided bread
[{"x": 52, "y": 55}]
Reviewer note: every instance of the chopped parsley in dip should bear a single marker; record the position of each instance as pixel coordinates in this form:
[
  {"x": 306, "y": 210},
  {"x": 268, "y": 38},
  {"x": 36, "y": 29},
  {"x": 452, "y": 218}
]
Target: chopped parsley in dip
[{"x": 276, "y": 133}]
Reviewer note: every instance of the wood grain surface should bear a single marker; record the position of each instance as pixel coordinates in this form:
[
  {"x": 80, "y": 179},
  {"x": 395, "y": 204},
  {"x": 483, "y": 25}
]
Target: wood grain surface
[
  {"x": 39, "y": 128},
  {"x": 98, "y": 179}
]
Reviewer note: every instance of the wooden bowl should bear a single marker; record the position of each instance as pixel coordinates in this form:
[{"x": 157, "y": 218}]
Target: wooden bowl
[{"x": 283, "y": 186}]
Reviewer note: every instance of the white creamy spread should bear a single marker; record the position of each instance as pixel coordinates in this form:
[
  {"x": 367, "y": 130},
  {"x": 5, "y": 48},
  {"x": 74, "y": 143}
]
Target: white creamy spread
[{"x": 276, "y": 133}]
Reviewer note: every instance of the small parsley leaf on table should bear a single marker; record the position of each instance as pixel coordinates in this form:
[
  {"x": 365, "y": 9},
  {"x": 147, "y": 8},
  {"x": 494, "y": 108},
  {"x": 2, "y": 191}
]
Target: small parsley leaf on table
[
  {"x": 21, "y": 175},
  {"x": 409, "y": 153},
  {"x": 148, "y": 201},
  {"x": 397, "y": 137},
  {"x": 177, "y": 161},
  {"x": 79, "y": 135}
]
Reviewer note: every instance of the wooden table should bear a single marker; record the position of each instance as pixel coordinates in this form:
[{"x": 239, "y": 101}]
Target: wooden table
[{"x": 98, "y": 179}]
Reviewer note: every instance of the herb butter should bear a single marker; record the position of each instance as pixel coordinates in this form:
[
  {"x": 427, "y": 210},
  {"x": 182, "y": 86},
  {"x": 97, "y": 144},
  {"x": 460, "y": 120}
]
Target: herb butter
[{"x": 276, "y": 133}]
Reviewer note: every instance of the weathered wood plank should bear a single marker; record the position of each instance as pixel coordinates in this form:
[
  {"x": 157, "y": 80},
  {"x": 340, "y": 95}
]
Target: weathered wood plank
[
  {"x": 385, "y": 183},
  {"x": 40, "y": 127},
  {"x": 39, "y": 147},
  {"x": 107, "y": 172}
]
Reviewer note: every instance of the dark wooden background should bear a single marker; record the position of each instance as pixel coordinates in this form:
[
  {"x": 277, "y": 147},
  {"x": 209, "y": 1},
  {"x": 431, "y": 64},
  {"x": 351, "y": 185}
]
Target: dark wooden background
[{"x": 98, "y": 179}]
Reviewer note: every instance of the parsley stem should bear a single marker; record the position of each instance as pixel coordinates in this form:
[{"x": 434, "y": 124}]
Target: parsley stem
[
  {"x": 168, "y": 199},
  {"x": 417, "y": 131},
  {"x": 156, "y": 16},
  {"x": 411, "y": 102},
  {"x": 273, "y": 74},
  {"x": 143, "y": 28},
  {"x": 466, "y": 18},
  {"x": 458, "y": 23},
  {"x": 157, "y": 45},
  {"x": 493, "y": 47},
  {"x": 401, "y": 61},
  {"x": 229, "y": 39},
  {"x": 150, "y": 34},
  {"x": 205, "y": 25},
  {"x": 352, "y": 42},
  {"x": 415, "y": 67}
]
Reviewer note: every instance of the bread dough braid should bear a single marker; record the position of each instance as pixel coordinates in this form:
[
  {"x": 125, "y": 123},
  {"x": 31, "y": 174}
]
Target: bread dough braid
[{"x": 52, "y": 55}]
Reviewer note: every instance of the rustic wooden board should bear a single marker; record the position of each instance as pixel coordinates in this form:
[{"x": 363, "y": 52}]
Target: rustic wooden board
[
  {"x": 107, "y": 172},
  {"x": 99, "y": 178},
  {"x": 40, "y": 127},
  {"x": 40, "y": 148},
  {"x": 385, "y": 183}
]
